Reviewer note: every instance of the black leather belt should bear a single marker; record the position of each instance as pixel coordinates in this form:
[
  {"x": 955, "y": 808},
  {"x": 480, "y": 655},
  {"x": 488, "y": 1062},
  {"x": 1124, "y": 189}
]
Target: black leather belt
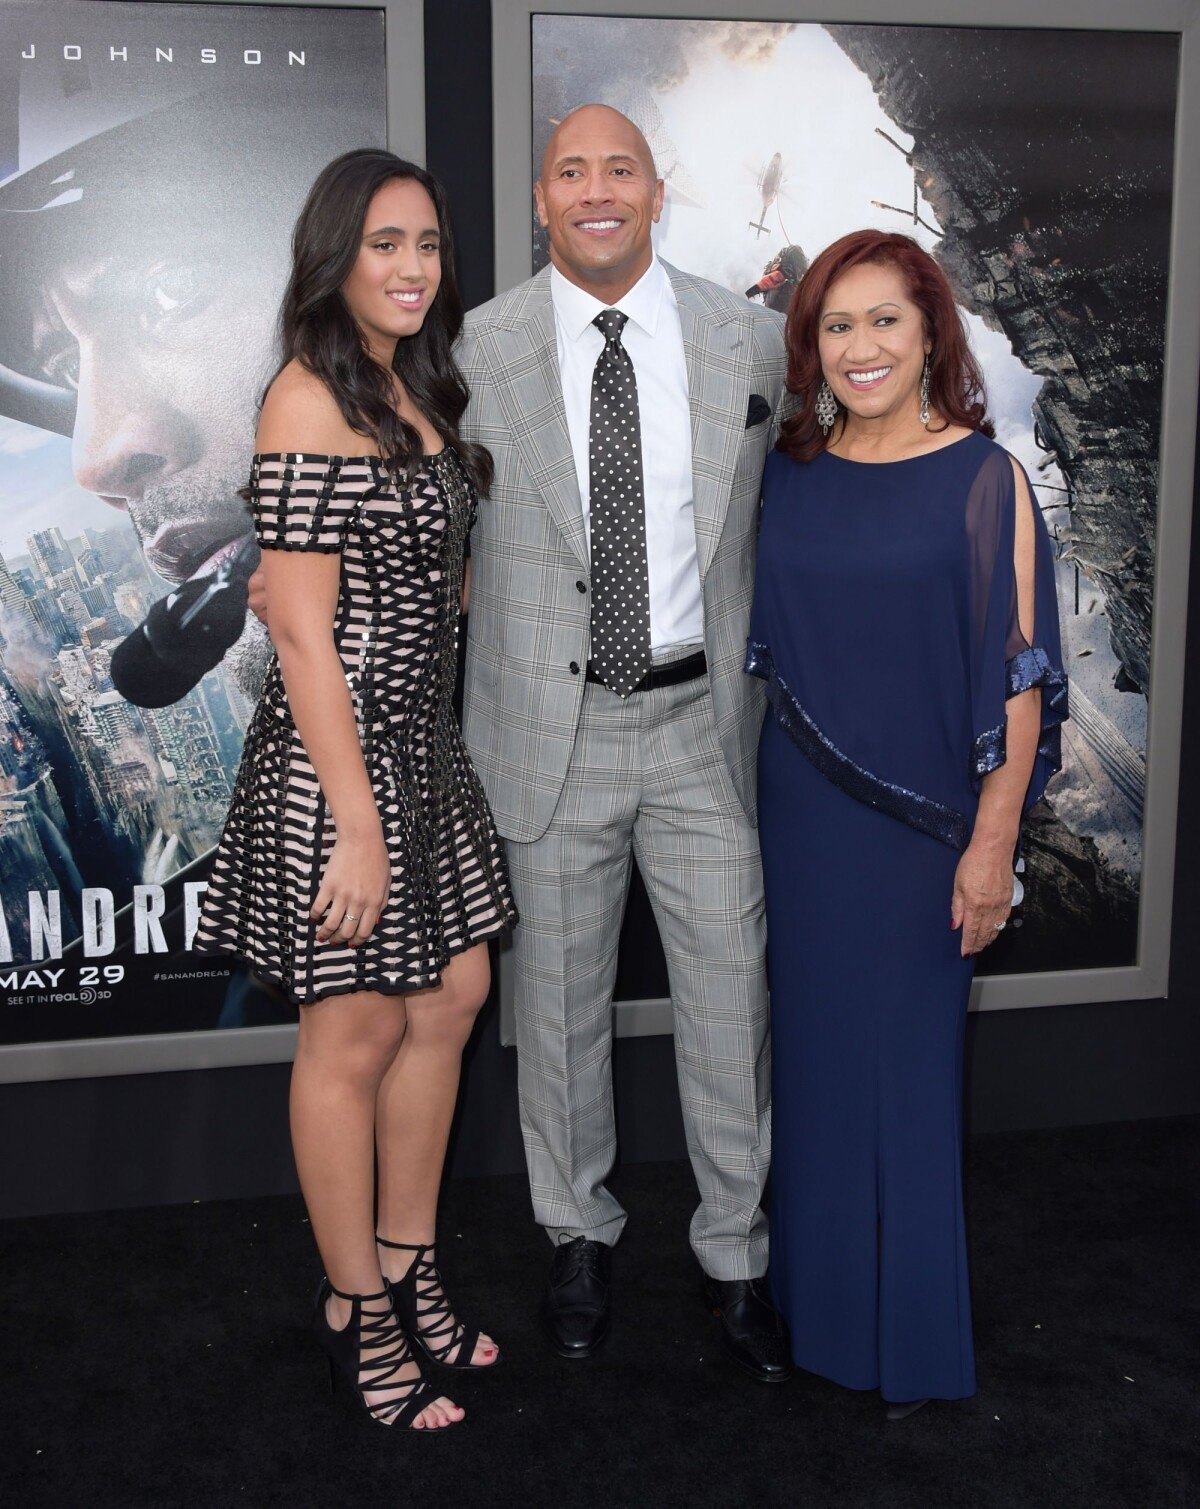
[{"x": 670, "y": 674}]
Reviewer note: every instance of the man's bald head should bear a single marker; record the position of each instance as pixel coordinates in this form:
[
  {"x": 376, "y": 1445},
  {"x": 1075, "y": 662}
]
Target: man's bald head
[
  {"x": 584, "y": 124},
  {"x": 598, "y": 196}
]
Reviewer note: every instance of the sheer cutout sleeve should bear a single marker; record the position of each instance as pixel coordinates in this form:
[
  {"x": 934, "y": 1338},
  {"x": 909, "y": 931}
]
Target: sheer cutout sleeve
[
  {"x": 1004, "y": 663},
  {"x": 305, "y": 502}
]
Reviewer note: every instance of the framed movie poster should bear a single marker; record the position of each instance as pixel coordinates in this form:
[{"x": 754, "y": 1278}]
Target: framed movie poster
[
  {"x": 153, "y": 158},
  {"x": 1040, "y": 158}
]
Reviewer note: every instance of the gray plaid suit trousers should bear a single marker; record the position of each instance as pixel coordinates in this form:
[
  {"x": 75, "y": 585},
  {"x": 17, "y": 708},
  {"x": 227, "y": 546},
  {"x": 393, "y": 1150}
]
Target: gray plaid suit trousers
[{"x": 581, "y": 781}]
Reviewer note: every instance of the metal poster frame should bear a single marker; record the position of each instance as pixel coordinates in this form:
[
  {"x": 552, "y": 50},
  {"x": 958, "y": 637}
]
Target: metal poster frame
[
  {"x": 404, "y": 30},
  {"x": 512, "y": 105}
]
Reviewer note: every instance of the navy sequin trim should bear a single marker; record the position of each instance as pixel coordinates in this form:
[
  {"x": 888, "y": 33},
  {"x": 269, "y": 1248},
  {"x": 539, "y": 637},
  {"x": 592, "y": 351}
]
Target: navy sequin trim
[
  {"x": 1026, "y": 669},
  {"x": 989, "y": 751},
  {"x": 919, "y": 812}
]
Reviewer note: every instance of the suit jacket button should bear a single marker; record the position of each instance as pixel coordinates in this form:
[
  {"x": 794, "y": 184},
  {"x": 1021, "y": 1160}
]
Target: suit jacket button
[
  {"x": 574, "y": 668},
  {"x": 581, "y": 586}
]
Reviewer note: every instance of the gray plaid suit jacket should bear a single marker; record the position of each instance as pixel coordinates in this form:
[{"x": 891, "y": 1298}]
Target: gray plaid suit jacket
[{"x": 528, "y": 625}]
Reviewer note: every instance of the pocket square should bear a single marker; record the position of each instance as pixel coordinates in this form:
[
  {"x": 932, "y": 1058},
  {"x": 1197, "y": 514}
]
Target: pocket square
[{"x": 758, "y": 410}]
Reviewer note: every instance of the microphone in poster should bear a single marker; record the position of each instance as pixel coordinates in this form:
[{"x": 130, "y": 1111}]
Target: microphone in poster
[{"x": 186, "y": 633}]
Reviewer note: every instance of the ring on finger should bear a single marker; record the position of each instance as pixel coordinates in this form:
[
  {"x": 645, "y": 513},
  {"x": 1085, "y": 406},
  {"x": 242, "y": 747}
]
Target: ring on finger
[{"x": 1000, "y": 926}]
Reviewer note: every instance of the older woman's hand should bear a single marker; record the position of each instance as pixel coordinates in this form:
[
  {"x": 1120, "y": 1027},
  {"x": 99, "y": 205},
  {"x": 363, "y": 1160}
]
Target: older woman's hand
[{"x": 983, "y": 890}]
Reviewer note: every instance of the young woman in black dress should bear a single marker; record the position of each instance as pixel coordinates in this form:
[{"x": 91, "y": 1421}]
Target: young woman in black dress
[{"x": 360, "y": 870}]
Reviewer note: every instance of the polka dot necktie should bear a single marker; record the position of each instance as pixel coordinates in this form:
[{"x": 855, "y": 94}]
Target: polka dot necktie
[{"x": 620, "y": 577}]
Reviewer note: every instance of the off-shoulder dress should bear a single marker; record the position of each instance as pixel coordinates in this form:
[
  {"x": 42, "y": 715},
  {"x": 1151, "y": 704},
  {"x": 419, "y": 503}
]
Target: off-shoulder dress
[{"x": 402, "y": 546}]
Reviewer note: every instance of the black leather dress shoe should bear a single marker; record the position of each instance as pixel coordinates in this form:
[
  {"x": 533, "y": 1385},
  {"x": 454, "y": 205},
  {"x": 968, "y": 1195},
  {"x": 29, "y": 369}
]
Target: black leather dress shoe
[
  {"x": 575, "y": 1305},
  {"x": 751, "y": 1329}
]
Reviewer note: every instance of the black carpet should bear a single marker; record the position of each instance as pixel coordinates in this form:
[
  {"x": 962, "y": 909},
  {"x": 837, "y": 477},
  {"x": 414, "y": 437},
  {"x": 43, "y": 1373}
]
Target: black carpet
[{"x": 160, "y": 1357}]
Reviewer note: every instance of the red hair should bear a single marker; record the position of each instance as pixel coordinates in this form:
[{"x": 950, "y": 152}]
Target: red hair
[{"x": 955, "y": 381}]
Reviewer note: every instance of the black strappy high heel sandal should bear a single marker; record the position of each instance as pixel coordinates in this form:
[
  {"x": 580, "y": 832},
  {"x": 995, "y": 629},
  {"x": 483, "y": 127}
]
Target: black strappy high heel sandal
[
  {"x": 369, "y": 1353},
  {"x": 425, "y": 1313}
]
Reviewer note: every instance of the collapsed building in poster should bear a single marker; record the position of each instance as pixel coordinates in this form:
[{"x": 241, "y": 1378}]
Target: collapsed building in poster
[{"x": 1055, "y": 229}]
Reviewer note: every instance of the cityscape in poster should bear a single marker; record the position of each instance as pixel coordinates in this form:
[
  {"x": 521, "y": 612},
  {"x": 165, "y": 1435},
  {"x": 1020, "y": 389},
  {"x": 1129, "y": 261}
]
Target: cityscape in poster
[{"x": 153, "y": 158}]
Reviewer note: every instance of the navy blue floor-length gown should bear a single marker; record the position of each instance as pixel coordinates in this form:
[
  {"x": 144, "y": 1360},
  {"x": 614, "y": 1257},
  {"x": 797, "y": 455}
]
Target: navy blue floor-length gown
[{"x": 885, "y": 625}]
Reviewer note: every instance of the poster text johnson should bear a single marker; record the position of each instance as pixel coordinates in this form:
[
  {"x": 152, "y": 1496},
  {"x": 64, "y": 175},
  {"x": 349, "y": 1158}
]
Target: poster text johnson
[
  {"x": 98, "y": 922},
  {"x": 252, "y": 57}
]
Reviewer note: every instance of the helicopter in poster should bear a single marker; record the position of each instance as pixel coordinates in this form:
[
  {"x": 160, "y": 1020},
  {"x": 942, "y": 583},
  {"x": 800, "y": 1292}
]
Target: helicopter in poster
[{"x": 770, "y": 181}]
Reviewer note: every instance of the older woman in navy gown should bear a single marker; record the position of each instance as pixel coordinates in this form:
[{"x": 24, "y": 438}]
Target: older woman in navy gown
[{"x": 906, "y": 624}]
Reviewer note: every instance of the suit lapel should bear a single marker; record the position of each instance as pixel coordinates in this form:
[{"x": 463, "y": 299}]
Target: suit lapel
[
  {"x": 717, "y": 351},
  {"x": 717, "y": 354},
  {"x": 524, "y": 367}
]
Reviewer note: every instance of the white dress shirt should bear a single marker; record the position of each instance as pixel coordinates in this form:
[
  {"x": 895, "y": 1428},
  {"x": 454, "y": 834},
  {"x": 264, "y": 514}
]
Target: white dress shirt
[{"x": 653, "y": 338}]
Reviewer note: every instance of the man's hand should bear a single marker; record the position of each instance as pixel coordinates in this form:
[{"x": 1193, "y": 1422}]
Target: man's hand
[{"x": 258, "y": 595}]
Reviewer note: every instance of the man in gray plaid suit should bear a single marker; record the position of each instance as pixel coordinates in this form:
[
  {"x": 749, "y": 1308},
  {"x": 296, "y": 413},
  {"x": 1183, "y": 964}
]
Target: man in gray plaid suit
[{"x": 629, "y": 408}]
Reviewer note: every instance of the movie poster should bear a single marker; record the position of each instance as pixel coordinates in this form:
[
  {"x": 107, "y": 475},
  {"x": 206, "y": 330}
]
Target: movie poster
[
  {"x": 153, "y": 158},
  {"x": 1036, "y": 166}
]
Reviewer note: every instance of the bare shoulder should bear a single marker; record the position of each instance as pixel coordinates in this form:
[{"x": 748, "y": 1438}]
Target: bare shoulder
[
  {"x": 1024, "y": 522},
  {"x": 299, "y": 413},
  {"x": 1021, "y": 482},
  {"x": 1022, "y": 498}
]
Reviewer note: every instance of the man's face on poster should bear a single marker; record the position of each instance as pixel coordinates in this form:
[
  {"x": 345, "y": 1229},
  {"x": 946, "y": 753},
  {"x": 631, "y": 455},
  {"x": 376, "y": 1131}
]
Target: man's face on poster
[{"x": 161, "y": 322}]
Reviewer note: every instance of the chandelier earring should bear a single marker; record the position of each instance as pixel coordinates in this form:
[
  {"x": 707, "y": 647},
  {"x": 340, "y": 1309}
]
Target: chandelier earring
[
  {"x": 826, "y": 407},
  {"x": 925, "y": 392}
]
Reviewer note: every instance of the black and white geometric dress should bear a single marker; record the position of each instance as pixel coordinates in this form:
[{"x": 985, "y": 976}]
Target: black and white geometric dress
[{"x": 396, "y": 629}]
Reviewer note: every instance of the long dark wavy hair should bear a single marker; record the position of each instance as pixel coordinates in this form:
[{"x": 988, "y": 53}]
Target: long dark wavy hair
[
  {"x": 317, "y": 329},
  {"x": 955, "y": 381}
]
